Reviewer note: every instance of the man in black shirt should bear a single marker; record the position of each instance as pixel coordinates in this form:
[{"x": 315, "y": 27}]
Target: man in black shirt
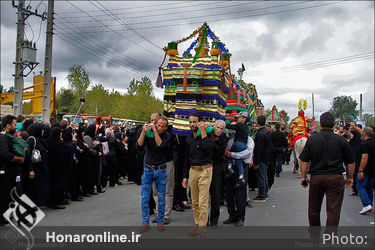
[
  {"x": 355, "y": 143},
  {"x": 262, "y": 155},
  {"x": 155, "y": 168},
  {"x": 279, "y": 143},
  {"x": 10, "y": 164},
  {"x": 219, "y": 166},
  {"x": 199, "y": 171},
  {"x": 326, "y": 152},
  {"x": 366, "y": 173}
]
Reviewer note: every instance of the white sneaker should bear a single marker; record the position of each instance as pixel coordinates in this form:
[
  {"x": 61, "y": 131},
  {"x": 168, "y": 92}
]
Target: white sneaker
[{"x": 366, "y": 209}]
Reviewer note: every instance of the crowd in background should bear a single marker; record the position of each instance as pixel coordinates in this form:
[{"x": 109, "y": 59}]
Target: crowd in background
[{"x": 69, "y": 161}]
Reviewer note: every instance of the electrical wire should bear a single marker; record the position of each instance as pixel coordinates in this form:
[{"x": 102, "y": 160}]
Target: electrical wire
[
  {"x": 170, "y": 13},
  {"x": 321, "y": 64},
  {"x": 93, "y": 54},
  {"x": 126, "y": 25},
  {"x": 137, "y": 44},
  {"x": 215, "y": 20},
  {"x": 105, "y": 46},
  {"x": 143, "y": 7},
  {"x": 40, "y": 29},
  {"x": 27, "y": 22}
]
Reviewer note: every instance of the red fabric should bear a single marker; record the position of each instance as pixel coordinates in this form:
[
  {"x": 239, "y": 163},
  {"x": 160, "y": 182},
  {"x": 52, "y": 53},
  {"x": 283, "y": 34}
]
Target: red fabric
[{"x": 296, "y": 139}]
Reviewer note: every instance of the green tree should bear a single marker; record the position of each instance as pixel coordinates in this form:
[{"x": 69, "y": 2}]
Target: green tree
[
  {"x": 344, "y": 108},
  {"x": 27, "y": 107},
  {"x": 368, "y": 118},
  {"x": 66, "y": 100},
  {"x": 78, "y": 79},
  {"x": 141, "y": 87}
]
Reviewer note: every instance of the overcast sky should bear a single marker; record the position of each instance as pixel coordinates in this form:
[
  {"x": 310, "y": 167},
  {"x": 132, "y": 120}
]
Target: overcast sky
[{"x": 290, "y": 49}]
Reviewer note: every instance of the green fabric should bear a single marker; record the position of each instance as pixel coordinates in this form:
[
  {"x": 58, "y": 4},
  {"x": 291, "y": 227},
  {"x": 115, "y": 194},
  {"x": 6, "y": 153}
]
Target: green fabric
[
  {"x": 18, "y": 145},
  {"x": 19, "y": 127},
  {"x": 209, "y": 130},
  {"x": 235, "y": 108},
  {"x": 150, "y": 133}
]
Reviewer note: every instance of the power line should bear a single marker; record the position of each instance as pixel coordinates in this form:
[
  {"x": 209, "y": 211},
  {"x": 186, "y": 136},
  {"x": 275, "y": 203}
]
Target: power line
[
  {"x": 216, "y": 20},
  {"x": 138, "y": 7},
  {"x": 169, "y": 13},
  {"x": 137, "y": 44},
  {"x": 90, "y": 52},
  {"x": 106, "y": 46},
  {"x": 125, "y": 24},
  {"x": 142, "y": 11},
  {"x": 326, "y": 63}
]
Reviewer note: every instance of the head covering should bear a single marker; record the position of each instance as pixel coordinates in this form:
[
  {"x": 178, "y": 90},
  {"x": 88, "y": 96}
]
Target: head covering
[
  {"x": 54, "y": 141},
  {"x": 90, "y": 131},
  {"x": 242, "y": 114},
  {"x": 79, "y": 132},
  {"x": 35, "y": 129},
  {"x": 100, "y": 131},
  {"x": 119, "y": 136},
  {"x": 26, "y": 124},
  {"x": 55, "y": 125},
  {"x": 67, "y": 135}
]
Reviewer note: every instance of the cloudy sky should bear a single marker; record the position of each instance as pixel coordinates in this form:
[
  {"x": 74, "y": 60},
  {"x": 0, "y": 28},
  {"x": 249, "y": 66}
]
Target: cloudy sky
[{"x": 290, "y": 49}]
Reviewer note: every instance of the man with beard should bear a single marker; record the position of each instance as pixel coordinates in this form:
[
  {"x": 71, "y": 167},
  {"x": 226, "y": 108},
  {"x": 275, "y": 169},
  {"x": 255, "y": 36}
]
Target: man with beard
[
  {"x": 199, "y": 172},
  {"x": 155, "y": 169},
  {"x": 9, "y": 164}
]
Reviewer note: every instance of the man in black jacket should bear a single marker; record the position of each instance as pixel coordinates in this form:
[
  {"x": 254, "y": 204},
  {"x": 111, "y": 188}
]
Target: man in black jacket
[
  {"x": 279, "y": 143},
  {"x": 262, "y": 153},
  {"x": 9, "y": 164}
]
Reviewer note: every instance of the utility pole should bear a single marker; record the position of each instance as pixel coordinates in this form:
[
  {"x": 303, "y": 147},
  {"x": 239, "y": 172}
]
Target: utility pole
[
  {"x": 46, "y": 108},
  {"x": 18, "y": 78},
  {"x": 360, "y": 107}
]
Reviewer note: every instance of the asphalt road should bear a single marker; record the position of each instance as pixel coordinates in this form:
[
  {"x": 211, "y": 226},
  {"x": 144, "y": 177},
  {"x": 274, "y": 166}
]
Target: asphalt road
[{"x": 287, "y": 206}]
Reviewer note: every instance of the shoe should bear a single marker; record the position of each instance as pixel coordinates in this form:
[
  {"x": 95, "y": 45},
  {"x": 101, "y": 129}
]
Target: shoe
[
  {"x": 213, "y": 226},
  {"x": 161, "y": 227},
  {"x": 354, "y": 194},
  {"x": 185, "y": 205},
  {"x": 228, "y": 173},
  {"x": 167, "y": 221},
  {"x": 277, "y": 175},
  {"x": 178, "y": 208},
  {"x": 366, "y": 209},
  {"x": 101, "y": 190},
  {"x": 77, "y": 199},
  {"x": 59, "y": 206},
  {"x": 230, "y": 220},
  {"x": 65, "y": 202},
  {"x": 120, "y": 183},
  {"x": 240, "y": 183},
  {"x": 239, "y": 223},
  {"x": 154, "y": 220},
  {"x": 144, "y": 228},
  {"x": 248, "y": 204},
  {"x": 193, "y": 233},
  {"x": 259, "y": 199},
  {"x": 152, "y": 212}
]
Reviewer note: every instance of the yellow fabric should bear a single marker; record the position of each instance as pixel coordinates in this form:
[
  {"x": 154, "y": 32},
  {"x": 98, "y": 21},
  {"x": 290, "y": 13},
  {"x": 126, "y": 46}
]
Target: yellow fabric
[{"x": 199, "y": 182}]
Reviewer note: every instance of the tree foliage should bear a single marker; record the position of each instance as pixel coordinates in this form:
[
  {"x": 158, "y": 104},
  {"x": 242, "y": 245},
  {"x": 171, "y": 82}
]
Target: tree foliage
[
  {"x": 78, "y": 79},
  {"x": 137, "y": 104},
  {"x": 344, "y": 108},
  {"x": 368, "y": 118}
]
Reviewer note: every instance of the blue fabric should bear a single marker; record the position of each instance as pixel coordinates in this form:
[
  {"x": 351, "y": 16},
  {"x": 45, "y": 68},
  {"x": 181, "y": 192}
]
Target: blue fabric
[
  {"x": 238, "y": 146},
  {"x": 262, "y": 180},
  {"x": 160, "y": 178},
  {"x": 214, "y": 97},
  {"x": 209, "y": 33},
  {"x": 172, "y": 65},
  {"x": 364, "y": 188},
  {"x": 205, "y": 66},
  {"x": 191, "y": 46},
  {"x": 221, "y": 46},
  {"x": 278, "y": 162}
]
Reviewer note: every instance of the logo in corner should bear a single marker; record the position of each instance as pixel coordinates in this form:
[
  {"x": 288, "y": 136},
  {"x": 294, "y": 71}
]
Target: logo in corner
[{"x": 23, "y": 215}]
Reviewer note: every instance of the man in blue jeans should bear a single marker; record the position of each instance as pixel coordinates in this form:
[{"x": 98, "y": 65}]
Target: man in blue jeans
[
  {"x": 366, "y": 172},
  {"x": 157, "y": 145},
  {"x": 262, "y": 153}
]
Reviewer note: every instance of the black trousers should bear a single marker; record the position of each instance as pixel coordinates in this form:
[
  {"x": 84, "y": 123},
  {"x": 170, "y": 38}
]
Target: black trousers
[
  {"x": 236, "y": 197},
  {"x": 215, "y": 191},
  {"x": 356, "y": 169},
  {"x": 179, "y": 158}
]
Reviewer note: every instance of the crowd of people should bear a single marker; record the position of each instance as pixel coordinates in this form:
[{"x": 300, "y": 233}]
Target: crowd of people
[{"x": 55, "y": 163}]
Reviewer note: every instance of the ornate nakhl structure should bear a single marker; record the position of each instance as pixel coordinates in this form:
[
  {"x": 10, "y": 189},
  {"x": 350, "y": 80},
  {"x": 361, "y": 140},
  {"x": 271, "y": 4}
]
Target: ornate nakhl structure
[
  {"x": 274, "y": 116},
  {"x": 203, "y": 83}
]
